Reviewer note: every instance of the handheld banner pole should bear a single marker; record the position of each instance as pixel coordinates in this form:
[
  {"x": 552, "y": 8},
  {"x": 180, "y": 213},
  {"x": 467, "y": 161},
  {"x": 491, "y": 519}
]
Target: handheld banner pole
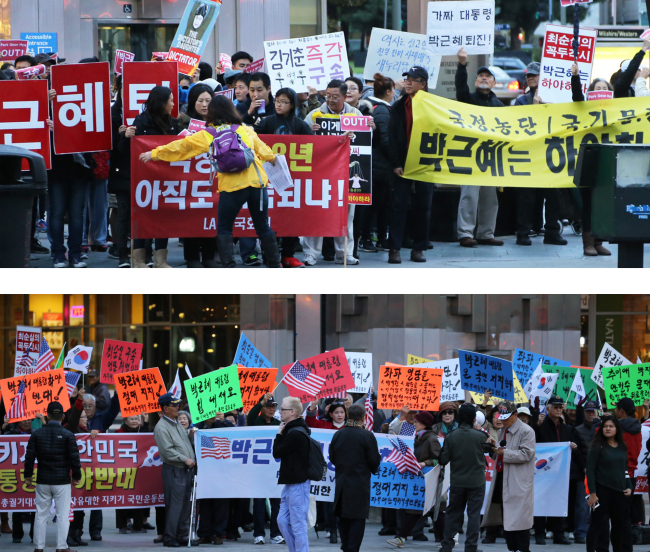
[
  {"x": 576, "y": 31},
  {"x": 189, "y": 539}
]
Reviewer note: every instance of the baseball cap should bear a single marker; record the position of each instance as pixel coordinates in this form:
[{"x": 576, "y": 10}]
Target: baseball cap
[
  {"x": 484, "y": 69},
  {"x": 271, "y": 401},
  {"x": 469, "y": 408},
  {"x": 48, "y": 58},
  {"x": 532, "y": 68},
  {"x": 625, "y": 404},
  {"x": 505, "y": 410},
  {"x": 230, "y": 74},
  {"x": 54, "y": 408},
  {"x": 555, "y": 400},
  {"x": 591, "y": 405},
  {"x": 168, "y": 399},
  {"x": 523, "y": 410},
  {"x": 417, "y": 72}
]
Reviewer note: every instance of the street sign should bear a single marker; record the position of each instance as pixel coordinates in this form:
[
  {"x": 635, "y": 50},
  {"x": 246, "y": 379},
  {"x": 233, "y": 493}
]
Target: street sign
[{"x": 40, "y": 43}]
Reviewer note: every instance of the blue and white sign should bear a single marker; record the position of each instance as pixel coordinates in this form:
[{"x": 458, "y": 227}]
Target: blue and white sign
[
  {"x": 524, "y": 364},
  {"x": 247, "y": 355},
  {"x": 40, "y": 43}
]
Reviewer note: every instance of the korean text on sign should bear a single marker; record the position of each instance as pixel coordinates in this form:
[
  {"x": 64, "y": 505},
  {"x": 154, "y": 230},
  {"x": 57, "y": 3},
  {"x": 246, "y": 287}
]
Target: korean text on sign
[
  {"x": 455, "y": 25},
  {"x": 608, "y": 357},
  {"x": 213, "y": 392},
  {"x": 525, "y": 362},
  {"x": 450, "y": 388},
  {"x": 138, "y": 391},
  {"x": 27, "y": 339},
  {"x": 82, "y": 108},
  {"x": 254, "y": 383},
  {"x": 361, "y": 368},
  {"x": 564, "y": 381},
  {"x": 481, "y": 372},
  {"x": 122, "y": 57},
  {"x": 40, "y": 390},
  {"x": 309, "y": 61},
  {"x": 119, "y": 357},
  {"x": 333, "y": 366},
  {"x": 631, "y": 381},
  {"x": 248, "y": 355},
  {"x": 139, "y": 77},
  {"x": 391, "y": 489},
  {"x": 412, "y": 386}
]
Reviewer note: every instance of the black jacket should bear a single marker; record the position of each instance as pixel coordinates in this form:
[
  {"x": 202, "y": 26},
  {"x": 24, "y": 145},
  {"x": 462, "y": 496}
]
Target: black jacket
[
  {"x": 254, "y": 119},
  {"x": 57, "y": 454},
  {"x": 292, "y": 447},
  {"x": 623, "y": 87},
  {"x": 475, "y": 98},
  {"x": 380, "y": 138},
  {"x": 587, "y": 432},
  {"x": 145, "y": 126},
  {"x": 119, "y": 176},
  {"x": 547, "y": 433},
  {"x": 397, "y": 139},
  {"x": 101, "y": 394},
  {"x": 283, "y": 124},
  {"x": 355, "y": 454}
]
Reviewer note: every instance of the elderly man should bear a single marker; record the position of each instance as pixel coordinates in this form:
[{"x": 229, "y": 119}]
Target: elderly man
[
  {"x": 178, "y": 470},
  {"x": 291, "y": 447},
  {"x": 406, "y": 415},
  {"x": 99, "y": 390},
  {"x": 510, "y": 498}
]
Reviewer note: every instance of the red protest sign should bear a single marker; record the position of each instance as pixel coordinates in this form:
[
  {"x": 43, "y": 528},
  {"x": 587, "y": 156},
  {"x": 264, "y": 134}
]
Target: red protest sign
[
  {"x": 139, "y": 78},
  {"x": 82, "y": 108},
  {"x": 600, "y": 95},
  {"x": 12, "y": 49},
  {"x": 23, "y": 115},
  {"x": 40, "y": 390},
  {"x": 333, "y": 366},
  {"x": 566, "y": 3},
  {"x": 254, "y": 383},
  {"x": 255, "y": 66},
  {"x": 30, "y": 72},
  {"x": 122, "y": 57},
  {"x": 119, "y": 357},
  {"x": 138, "y": 392},
  {"x": 170, "y": 201},
  {"x": 230, "y": 93},
  {"x": 355, "y": 123},
  {"x": 159, "y": 56}
]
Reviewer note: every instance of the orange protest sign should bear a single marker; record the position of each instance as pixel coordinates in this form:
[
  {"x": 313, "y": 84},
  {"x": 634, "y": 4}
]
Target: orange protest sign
[
  {"x": 138, "y": 391},
  {"x": 419, "y": 388},
  {"x": 254, "y": 383},
  {"x": 40, "y": 390},
  {"x": 119, "y": 357}
]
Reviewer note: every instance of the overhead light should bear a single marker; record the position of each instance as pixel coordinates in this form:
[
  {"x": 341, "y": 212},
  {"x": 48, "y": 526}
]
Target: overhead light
[
  {"x": 582, "y": 341},
  {"x": 167, "y": 362},
  {"x": 214, "y": 335},
  {"x": 180, "y": 364},
  {"x": 187, "y": 345},
  {"x": 210, "y": 350},
  {"x": 155, "y": 345},
  {"x": 181, "y": 315},
  {"x": 236, "y": 327}
]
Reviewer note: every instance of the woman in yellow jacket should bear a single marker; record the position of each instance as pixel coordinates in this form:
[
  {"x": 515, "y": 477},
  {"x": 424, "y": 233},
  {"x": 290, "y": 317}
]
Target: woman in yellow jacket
[{"x": 235, "y": 189}]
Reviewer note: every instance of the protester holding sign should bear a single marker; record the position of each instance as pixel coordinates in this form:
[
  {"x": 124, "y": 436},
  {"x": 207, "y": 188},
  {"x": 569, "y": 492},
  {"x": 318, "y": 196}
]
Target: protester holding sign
[{"x": 623, "y": 85}]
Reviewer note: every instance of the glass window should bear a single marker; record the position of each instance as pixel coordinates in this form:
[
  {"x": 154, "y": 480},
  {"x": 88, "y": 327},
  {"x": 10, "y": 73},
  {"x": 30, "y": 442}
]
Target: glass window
[
  {"x": 141, "y": 39},
  {"x": 205, "y": 308},
  {"x": 5, "y": 20},
  {"x": 159, "y": 352},
  {"x": 305, "y": 18},
  {"x": 157, "y": 307}
]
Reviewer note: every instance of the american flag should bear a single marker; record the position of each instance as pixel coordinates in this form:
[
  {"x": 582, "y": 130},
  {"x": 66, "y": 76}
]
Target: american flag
[
  {"x": 339, "y": 395},
  {"x": 45, "y": 357},
  {"x": 407, "y": 429},
  {"x": 71, "y": 380},
  {"x": 25, "y": 362},
  {"x": 368, "y": 417},
  {"x": 303, "y": 380},
  {"x": 17, "y": 409},
  {"x": 403, "y": 458},
  {"x": 215, "y": 447}
]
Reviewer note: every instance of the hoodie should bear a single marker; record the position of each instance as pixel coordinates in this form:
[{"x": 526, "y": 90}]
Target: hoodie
[
  {"x": 632, "y": 437},
  {"x": 283, "y": 124}
]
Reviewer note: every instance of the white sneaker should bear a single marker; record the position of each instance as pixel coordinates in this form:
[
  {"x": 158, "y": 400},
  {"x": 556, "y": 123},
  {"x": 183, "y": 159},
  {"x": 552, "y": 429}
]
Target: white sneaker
[
  {"x": 549, "y": 534},
  {"x": 309, "y": 260},
  {"x": 259, "y": 540},
  {"x": 351, "y": 260},
  {"x": 278, "y": 540}
]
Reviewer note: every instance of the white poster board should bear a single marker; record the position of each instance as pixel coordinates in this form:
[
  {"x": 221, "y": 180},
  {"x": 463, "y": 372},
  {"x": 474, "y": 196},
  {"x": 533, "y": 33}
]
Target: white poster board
[
  {"x": 450, "y": 387},
  {"x": 361, "y": 368},
  {"x": 608, "y": 357},
  {"x": 26, "y": 336},
  {"x": 455, "y": 25}
]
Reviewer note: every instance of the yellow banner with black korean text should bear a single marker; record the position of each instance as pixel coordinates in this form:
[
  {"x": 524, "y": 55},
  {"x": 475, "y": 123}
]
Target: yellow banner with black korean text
[{"x": 532, "y": 146}]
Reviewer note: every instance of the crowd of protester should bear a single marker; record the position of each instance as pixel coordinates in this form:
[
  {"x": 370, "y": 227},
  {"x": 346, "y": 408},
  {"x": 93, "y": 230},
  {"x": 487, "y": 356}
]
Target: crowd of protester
[{"x": 91, "y": 191}]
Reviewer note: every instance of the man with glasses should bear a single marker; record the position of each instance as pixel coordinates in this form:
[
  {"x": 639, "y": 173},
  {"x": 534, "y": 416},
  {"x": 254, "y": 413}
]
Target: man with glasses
[
  {"x": 178, "y": 469},
  {"x": 399, "y": 136}
]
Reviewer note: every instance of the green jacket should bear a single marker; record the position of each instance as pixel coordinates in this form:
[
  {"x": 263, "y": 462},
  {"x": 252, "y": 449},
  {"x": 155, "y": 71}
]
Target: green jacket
[
  {"x": 256, "y": 419},
  {"x": 173, "y": 443},
  {"x": 465, "y": 449}
]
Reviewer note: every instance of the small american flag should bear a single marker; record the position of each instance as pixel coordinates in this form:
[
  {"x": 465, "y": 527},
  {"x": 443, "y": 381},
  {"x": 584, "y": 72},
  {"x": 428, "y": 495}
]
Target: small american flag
[
  {"x": 407, "y": 429},
  {"x": 71, "y": 379},
  {"x": 303, "y": 380},
  {"x": 25, "y": 362},
  {"x": 45, "y": 357},
  {"x": 17, "y": 409},
  {"x": 368, "y": 417},
  {"x": 339, "y": 395},
  {"x": 403, "y": 458},
  {"x": 215, "y": 447}
]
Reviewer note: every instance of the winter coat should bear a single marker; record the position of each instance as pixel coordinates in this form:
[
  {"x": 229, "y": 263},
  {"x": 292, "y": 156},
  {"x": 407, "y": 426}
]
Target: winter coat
[
  {"x": 623, "y": 87},
  {"x": 526, "y": 99},
  {"x": 101, "y": 394},
  {"x": 101, "y": 421},
  {"x": 380, "y": 139},
  {"x": 74, "y": 414},
  {"x": 547, "y": 433},
  {"x": 119, "y": 176},
  {"x": 56, "y": 450},
  {"x": 633, "y": 441},
  {"x": 324, "y": 111},
  {"x": 518, "y": 481},
  {"x": 145, "y": 126},
  {"x": 292, "y": 448},
  {"x": 378, "y": 416},
  {"x": 311, "y": 104},
  {"x": 440, "y": 432},
  {"x": 255, "y": 417},
  {"x": 126, "y": 429},
  {"x": 255, "y": 118},
  {"x": 283, "y": 124},
  {"x": 465, "y": 448},
  {"x": 173, "y": 442},
  {"x": 475, "y": 98},
  {"x": 314, "y": 422},
  {"x": 397, "y": 138},
  {"x": 427, "y": 448},
  {"x": 586, "y": 433},
  {"x": 355, "y": 455}
]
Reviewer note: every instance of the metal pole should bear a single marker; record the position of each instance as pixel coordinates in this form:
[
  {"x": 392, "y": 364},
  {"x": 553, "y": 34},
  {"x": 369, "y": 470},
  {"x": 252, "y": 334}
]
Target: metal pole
[
  {"x": 385, "y": 13},
  {"x": 397, "y": 15},
  {"x": 189, "y": 539}
]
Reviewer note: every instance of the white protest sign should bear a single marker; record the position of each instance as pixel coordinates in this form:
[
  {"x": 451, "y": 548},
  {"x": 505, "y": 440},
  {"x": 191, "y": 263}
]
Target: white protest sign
[
  {"x": 578, "y": 386},
  {"x": 450, "y": 386},
  {"x": 392, "y": 53},
  {"x": 608, "y": 357},
  {"x": 557, "y": 59},
  {"x": 27, "y": 339},
  {"x": 544, "y": 387},
  {"x": 309, "y": 61},
  {"x": 361, "y": 368},
  {"x": 455, "y": 25}
]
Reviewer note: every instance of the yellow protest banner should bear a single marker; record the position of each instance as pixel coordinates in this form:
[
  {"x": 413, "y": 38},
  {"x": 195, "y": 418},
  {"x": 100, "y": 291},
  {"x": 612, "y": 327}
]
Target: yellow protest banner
[
  {"x": 520, "y": 396},
  {"x": 412, "y": 359},
  {"x": 534, "y": 146}
]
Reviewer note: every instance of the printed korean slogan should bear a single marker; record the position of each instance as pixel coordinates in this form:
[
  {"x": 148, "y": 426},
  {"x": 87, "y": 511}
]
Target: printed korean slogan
[
  {"x": 536, "y": 146},
  {"x": 450, "y": 386},
  {"x": 139, "y": 78},
  {"x": 642, "y": 465},
  {"x": 631, "y": 381},
  {"x": 566, "y": 375},
  {"x": 122, "y": 57},
  {"x": 418, "y": 388},
  {"x": 216, "y": 391},
  {"x": 333, "y": 366},
  {"x": 254, "y": 383},
  {"x": 520, "y": 396},
  {"x": 247, "y": 355},
  {"x": 138, "y": 391},
  {"x": 391, "y": 489},
  {"x": 608, "y": 357},
  {"x": 176, "y": 199},
  {"x": 27, "y": 339},
  {"x": 361, "y": 368},
  {"x": 455, "y": 25},
  {"x": 524, "y": 363},
  {"x": 40, "y": 390},
  {"x": 119, "y": 357},
  {"x": 117, "y": 471},
  {"x": 481, "y": 372}
]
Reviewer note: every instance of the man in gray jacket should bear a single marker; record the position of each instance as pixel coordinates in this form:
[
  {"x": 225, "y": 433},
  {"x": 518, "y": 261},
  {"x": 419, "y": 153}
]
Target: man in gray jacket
[{"x": 178, "y": 472}]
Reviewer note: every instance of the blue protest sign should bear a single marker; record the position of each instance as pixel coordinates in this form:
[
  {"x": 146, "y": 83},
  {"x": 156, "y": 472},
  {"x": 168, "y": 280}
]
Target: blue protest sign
[
  {"x": 524, "y": 364},
  {"x": 40, "y": 43},
  {"x": 481, "y": 372},
  {"x": 392, "y": 489},
  {"x": 247, "y": 355}
]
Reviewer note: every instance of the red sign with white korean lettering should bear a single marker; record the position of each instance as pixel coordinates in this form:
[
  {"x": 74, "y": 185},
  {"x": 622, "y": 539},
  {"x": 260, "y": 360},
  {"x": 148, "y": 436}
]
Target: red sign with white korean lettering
[
  {"x": 82, "y": 108},
  {"x": 176, "y": 199},
  {"x": 122, "y": 57},
  {"x": 255, "y": 66},
  {"x": 23, "y": 116},
  {"x": 12, "y": 49},
  {"x": 559, "y": 45},
  {"x": 600, "y": 95},
  {"x": 333, "y": 366},
  {"x": 118, "y": 470},
  {"x": 119, "y": 357},
  {"x": 30, "y": 72},
  {"x": 139, "y": 78}
]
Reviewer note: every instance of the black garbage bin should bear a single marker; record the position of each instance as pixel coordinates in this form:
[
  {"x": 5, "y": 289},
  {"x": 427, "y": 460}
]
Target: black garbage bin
[{"x": 17, "y": 191}]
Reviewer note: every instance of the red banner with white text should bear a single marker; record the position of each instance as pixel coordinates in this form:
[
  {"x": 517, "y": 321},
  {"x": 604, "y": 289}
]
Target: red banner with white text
[
  {"x": 139, "y": 77},
  {"x": 170, "y": 200},
  {"x": 118, "y": 470}
]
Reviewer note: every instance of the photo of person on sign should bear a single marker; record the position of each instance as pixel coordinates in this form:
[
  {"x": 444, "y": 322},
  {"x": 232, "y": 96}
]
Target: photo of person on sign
[{"x": 196, "y": 27}]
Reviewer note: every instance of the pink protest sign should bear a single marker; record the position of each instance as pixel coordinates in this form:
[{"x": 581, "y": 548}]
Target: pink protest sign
[
  {"x": 600, "y": 95},
  {"x": 255, "y": 66},
  {"x": 122, "y": 57},
  {"x": 355, "y": 123},
  {"x": 226, "y": 62},
  {"x": 572, "y": 2},
  {"x": 12, "y": 49},
  {"x": 645, "y": 34},
  {"x": 230, "y": 93},
  {"x": 196, "y": 125},
  {"x": 30, "y": 72}
]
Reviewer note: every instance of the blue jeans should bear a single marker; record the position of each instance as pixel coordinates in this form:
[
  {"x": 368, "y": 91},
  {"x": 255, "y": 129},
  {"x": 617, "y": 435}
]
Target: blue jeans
[
  {"x": 581, "y": 512},
  {"x": 97, "y": 209},
  {"x": 259, "y": 517},
  {"x": 66, "y": 197},
  {"x": 230, "y": 203},
  {"x": 293, "y": 519},
  {"x": 247, "y": 247}
]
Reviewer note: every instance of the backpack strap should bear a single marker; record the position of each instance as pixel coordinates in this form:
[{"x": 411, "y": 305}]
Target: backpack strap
[{"x": 301, "y": 429}]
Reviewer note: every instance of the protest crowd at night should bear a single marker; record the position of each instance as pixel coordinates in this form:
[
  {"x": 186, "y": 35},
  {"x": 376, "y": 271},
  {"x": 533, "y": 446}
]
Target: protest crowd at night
[
  {"x": 529, "y": 449},
  {"x": 154, "y": 149}
]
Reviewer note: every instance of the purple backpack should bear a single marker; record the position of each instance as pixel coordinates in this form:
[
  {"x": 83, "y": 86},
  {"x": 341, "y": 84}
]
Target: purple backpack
[{"x": 228, "y": 152}]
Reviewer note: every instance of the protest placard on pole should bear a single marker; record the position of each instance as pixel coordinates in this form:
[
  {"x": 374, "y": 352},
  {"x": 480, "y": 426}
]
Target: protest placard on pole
[
  {"x": 465, "y": 24},
  {"x": 641, "y": 473},
  {"x": 557, "y": 59},
  {"x": 565, "y": 379},
  {"x": 308, "y": 61},
  {"x": 520, "y": 395},
  {"x": 608, "y": 357},
  {"x": 248, "y": 355},
  {"x": 413, "y": 386},
  {"x": 119, "y": 357},
  {"x": 216, "y": 391},
  {"x": 138, "y": 391},
  {"x": 12, "y": 49},
  {"x": 139, "y": 78},
  {"x": 28, "y": 344},
  {"x": 544, "y": 388},
  {"x": 450, "y": 387},
  {"x": 524, "y": 363},
  {"x": 631, "y": 381},
  {"x": 254, "y": 383},
  {"x": 361, "y": 368},
  {"x": 122, "y": 57},
  {"x": 481, "y": 372},
  {"x": 40, "y": 390},
  {"x": 392, "y": 53}
]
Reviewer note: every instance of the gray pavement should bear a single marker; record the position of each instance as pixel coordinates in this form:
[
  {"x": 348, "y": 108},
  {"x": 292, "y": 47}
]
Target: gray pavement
[{"x": 443, "y": 255}]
